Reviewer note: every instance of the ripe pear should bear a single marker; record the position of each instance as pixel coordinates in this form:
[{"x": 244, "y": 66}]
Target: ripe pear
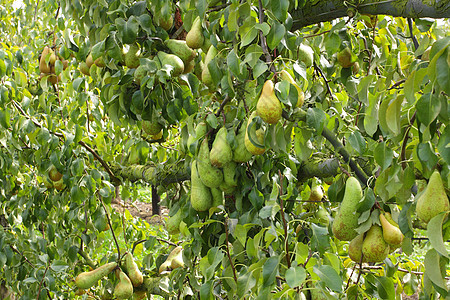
[
  {"x": 391, "y": 234},
  {"x": 43, "y": 66},
  {"x": 306, "y": 55},
  {"x": 221, "y": 152},
  {"x": 241, "y": 154},
  {"x": 131, "y": 58},
  {"x": 301, "y": 96},
  {"x": 168, "y": 263},
  {"x": 217, "y": 197},
  {"x": 89, "y": 61},
  {"x": 259, "y": 134},
  {"x": 201, "y": 199},
  {"x": 210, "y": 176},
  {"x": 86, "y": 280},
  {"x": 180, "y": 49},
  {"x": 374, "y": 247},
  {"x": 268, "y": 106},
  {"x": 433, "y": 200},
  {"x": 355, "y": 248},
  {"x": 195, "y": 38},
  {"x": 345, "y": 58},
  {"x": 100, "y": 62},
  {"x": 84, "y": 69},
  {"x": 206, "y": 75},
  {"x": 151, "y": 127},
  {"x": 54, "y": 174},
  {"x": 124, "y": 289},
  {"x": 171, "y": 60},
  {"x": 173, "y": 223},
  {"x": 346, "y": 220},
  {"x": 133, "y": 271}
]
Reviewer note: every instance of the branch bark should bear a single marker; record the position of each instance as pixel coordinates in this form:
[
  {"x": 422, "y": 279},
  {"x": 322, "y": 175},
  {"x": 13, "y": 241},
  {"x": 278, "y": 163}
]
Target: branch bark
[{"x": 327, "y": 10}]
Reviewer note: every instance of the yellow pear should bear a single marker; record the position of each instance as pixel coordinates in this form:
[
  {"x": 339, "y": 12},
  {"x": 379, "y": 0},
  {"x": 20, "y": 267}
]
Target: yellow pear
[
  {"x": 124, "y": 289},
  {"x": 301, "y": 96},
  {"x": 86, "y": 280},
  {"x": 433, "y": 200},
  {"x": 177, "y": 260},
  {"x": 345, "y": 58},
  {"x": 316, "y": 193},
  {"x": 268, "y": 106},
  {"x": 89, "y": 61},
  {"x": 259, "y": 134},
  {"x": 391, "y": 234},
  {"x": 374, "y": 247},
  {"x": 195, "y": 38},
  {"x": 43, "y": 66},
  {"x": 167, "y": 265},
  {"x": 355, "y": 248},
  {"x": 133, "y": 271}
]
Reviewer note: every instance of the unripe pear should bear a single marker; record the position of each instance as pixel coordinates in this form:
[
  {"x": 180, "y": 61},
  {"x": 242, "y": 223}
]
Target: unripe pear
[
  {"x": 167, "y": 265},
  {"x": 173, "y": 223},
  {"x": 180, "y": 49},
  {"x": 241, "y": 154},
  {"x": 355, "y": 248},
  {"x": 316, "y": 193},
  {"x": 201, "y": 199},
  {"x": 151, "y": 127},
  {"x": 217, "y": 197},
  {"x": 391, "y": 234},
  {"x": 59, "y": 185},
  {"x": 345, "y": 58},
  {"x": 139, "y": 74},
  {"x": 206, "y": 75},
  {"x": 210, "y": 176},
  {"x": 131, "y": 58},
  {"x": 133, "y": 271},
  {"x": 195, "y": 38},
  {"x": 259, "y": 134},
  {"x": 268, "y": 106},
  {"x": 375, "y": 248},
  {"x": 301, "y": 96},
  {"x": 306, "y": 55},
  {"x": 99, "y": 62},
  {"x": 433, "y": 200},
  {"x": 86, "y": 280},
  {"x": 172, "y": 60},
  {"x": 54, "y": 174},
  {"x": 89, "y": 61},
  {"x": 177, "y": 260},
  {"x": 355, "y": 68},
  {"x": 84, "y": 69},
  {"x": 166, "y": 23},
  {"x": 221, "y": 152},
  {"x": 188, "y": 67},
  {"x": 124, "y": 289}
]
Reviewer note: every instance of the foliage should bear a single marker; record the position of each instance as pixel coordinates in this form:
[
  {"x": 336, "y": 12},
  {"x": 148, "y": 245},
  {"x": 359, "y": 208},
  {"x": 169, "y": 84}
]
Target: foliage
[{"x": 384, "y": 122}]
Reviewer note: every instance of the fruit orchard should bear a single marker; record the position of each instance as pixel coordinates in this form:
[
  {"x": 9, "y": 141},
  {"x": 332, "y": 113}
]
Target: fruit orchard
[{"x": 301, "y": 148}]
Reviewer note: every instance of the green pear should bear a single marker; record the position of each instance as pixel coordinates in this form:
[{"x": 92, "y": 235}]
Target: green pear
[
  {"x": 173, "y": 223},
  {"x": 217, "y": 197},
  {"x": 433, "y": 200},
  {"x": 210, "y": 176},
  {"x": 344, "y": 58},
  {"x": 177, "y": 260},
  {"x": 391, "y": 234},
  {"x": 84, "y": 69},
  {"x": 306, "y": 55},
  {"x": 180, "y": 49},
  {"x": 240, "y": 153},
  {"x": 316, "y": 193},
  {"x": 221, "y": 152},
  {"x": 59, "y": 185},
  {"x": 229, "y": 173},
  {"x": 201, "y": 199},
  {"x": 374, "y": 247},
  {"x": 100, "y": 62},
  {"x": 268, "y": 106},
  {"x": 173, "y": 61},
  {"x": 165, "y": 23},
  {"x": 167, "y": 264},
  {"x": 86, "y": 280},
  {"x": 355, "y": 68},
  {"x": 151, "y": 127},
  {"x": 43, "y": 66},
  {"x": 89, "y": 61},
  {"x": 54, "y": 174},
  {"x": 188, "y": 67},
  {"x": 346, "y": 220},
  {"x": 206, "y": 75},
  {"x": 131, "y": 58},
  {"x": 139, "y": 74},
  {"x": 355, "y": 248},
  {"x": 124, "y": 289},
  {"x": 259, "y": 134},
  {"x": 301, "y": 96},
  {"x": 133, "y": 271},
  {"x": 195, "y": 38}
]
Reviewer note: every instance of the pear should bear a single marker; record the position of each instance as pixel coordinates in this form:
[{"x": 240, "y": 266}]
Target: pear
[
  {"x": 173, "y": 223},
  {"x": 177, "y": 260},
  {"x": 355, "y": 68},
  {"x": 259, "y": 134},
  {"x": 195, "y": 38},
  {"x": 100, "y": 62},
  {"x": 139, "y": 74},
  {"x": 86, "y": 280},
  {"x": 53, "y": 79},
  {"x": 151, "y": 127},
  {"x": 306, "y": 55},
  {"x": 43, "y": 66},
  {"x": 54, "y": 174},
  {"x": 374, "y": 247},
  {"x": 84, "y": 69},
  {"x": 344, "y": 58},
  {"x": 268, "y": 106},
  {"x": 206, "y": 75},
  {"x": 167, "y": 265},
  {"x": 188, "y": 67},
  {"x": 433, "y": 200},
  {"x": 201, "y": 199},
  {"x": 210, "y": 176},
  {"x": 133, "y": 271},
  {"x": 240, "y": 153},
  {"x": 59, "y": 185},
  {"x": 173, "y": 61},
  {"x": 391, "y": 234},
  {"x": 124, "y": 289},
  {"x": 229, "y": 173},
  {"x": 180, "y": 49},
  {"x": 355, "y": 248},
  {"x": 217, "y": 197},
  {"x": 301, "y": 96},
  {"x": 131, "y": 58},
  {"x": 89, "y": 61},
  {"x": 165, "y": 23},
  {"x": 316, "y": 193},
  {"x": 346, "y": 220},
  {"x": 221, "y": 152}
]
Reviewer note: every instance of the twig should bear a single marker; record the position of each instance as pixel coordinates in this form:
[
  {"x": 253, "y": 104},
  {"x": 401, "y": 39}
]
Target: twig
[
  {"x": 222, "y": 105},
  {"x": 316, "y": 67},
  {"x": 395, "y": 85},
  {"x": 111, "y": 228},
  {"x": 35, "y": 11},
  {"x": 40, "y": 283},
  {"x": 263, "y": 39},
  {"x": 228, "y": 250},
  {"x": 317, "y": 34},
  {"x": 405, "y": 140},
  {"x": 399, "y": 269},
  {"x": 21, "y": 254},
  {"x": 345, "y": 171},
  {"x": 218, "y": 7},
  {"x": 166, "y": 241},
  {"x": 286, "y": 241},
  {"x": 413, "y": 37}
]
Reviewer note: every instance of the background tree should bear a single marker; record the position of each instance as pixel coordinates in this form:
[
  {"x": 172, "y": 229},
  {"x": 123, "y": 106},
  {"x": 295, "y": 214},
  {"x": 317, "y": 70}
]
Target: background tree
[{"x": 281, "y": 136}]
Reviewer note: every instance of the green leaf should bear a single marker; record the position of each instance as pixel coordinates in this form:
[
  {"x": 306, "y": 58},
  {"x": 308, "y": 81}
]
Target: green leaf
[
  {"x": 270, "y": 270},
  {"x": 209, "y": 263},
  {"x": 275, "y": 35},
  {"x": 385, "y": 288},
  {"x": 206, "y": 290},
  {"x": 358, "y": 142},
  {"x": 316, "y": 118},
  {"x": 428, "y": 108},
  {"x": 240, "y": 233},
  {"x": 444, "y": 145},
  {"x": 244, "y": 283},
  {"x": 426, "y": 155},
  {"x": 363, "y": 88},
  {"x": 233, "y": 63},
  {"x": 247, "y": 31},
  {"x": 432, "y": 270},
  {"x": 128, "y": 30},
  {"x": 383, "y": 155},
  {"x": 393, "y": 115},
  {"x": 295, "y": 276},
  {"x": 280, "y": 8},
  {"x": 329, "y": 276},
  {"x": 434, "y": 233},
  {"x": 371, "y": 117},
  {"x": 5, "y": 118}
]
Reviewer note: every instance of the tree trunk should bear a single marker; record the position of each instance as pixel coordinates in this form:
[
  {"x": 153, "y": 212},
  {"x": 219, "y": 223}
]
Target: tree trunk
[{"x": 156, "y": 210}]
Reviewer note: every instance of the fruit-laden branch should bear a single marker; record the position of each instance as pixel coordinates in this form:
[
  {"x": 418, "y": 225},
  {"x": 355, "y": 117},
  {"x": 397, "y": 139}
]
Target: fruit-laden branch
[
  {"x": 322, "y": 169},
  {"x": 327, "y": 10}
]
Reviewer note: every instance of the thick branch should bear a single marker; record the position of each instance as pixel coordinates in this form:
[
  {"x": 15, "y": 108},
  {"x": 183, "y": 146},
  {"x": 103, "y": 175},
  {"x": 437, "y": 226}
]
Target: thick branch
[{"x": 324, "y": 11}]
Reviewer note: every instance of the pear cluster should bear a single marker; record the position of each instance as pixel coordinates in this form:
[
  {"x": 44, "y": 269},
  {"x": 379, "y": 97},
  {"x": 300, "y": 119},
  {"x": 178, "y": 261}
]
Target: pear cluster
[
  {"x": 54, "y": 179},
  {"x": 129, "y": 277},
  {"x": 173, "y": 261},
  {"x": 47, "y": 65}
]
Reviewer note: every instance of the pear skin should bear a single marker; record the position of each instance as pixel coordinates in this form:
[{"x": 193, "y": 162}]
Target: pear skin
[
  {"x": 355, "y": 248},
  {"x": 167, "y": 265},
  {"x": 433, "y": 200},
  {"x": 217, "y": 197},
  {"x": 43, "y": 66},
  {"x": 177, "y": 260},
  {"x": 206, "y": 75},
  {"x": 391, "y": 234},
  {"x": 301, "y": 96},
  {"x": 210, "y": 176},
  {"x": 346, "y": 220},
  {"x": 124, "y": 289},
  {"x": 252, "y": 148},
  {"x": 221, "y": 152},
  {"x": 268, "y": 106},
  {"x": 173, "y": 223},
  {"x": 89, "y": 61},
  {"x": 131, "y": 58},
  {"x": 316, "y": 193},
  {"x": 201, "y": 199},
  {"x": 374, "y": 247},
  {"x": 195, "y": 38},
  {"x": 84, "y": 69},
  {"x": 151, "y": 127},
  {"x": 172, "y": 60},
  {"x": 240, "y": 153},
  {"x": 181, "y": 49},
  {"x": 133, "y": 271},
  {"x": 54, "y": 174},
  {"x": 306, "y": 55},
  {"x": 86, "y": 280},
  {"x": 344, "y": 58}
]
